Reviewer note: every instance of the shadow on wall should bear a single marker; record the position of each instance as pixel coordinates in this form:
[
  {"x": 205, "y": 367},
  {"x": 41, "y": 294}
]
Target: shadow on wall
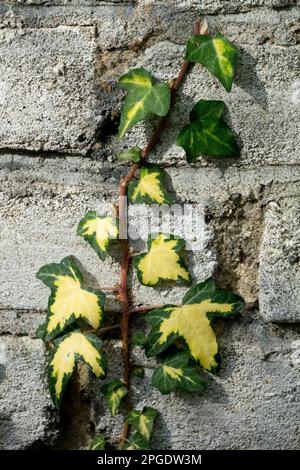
[
  {"x": 248, "y": 80},
  {"x": 167, "y": 435}
]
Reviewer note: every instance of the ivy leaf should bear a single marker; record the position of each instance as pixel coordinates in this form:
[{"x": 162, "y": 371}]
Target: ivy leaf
[
  {"x": 207, "y": 109},
  {"x": 207, "y": 134},
  {"x": 98, "y": 442},
  {"x": 143, "y": 421},
  {"x": 114, "y": 392},
  {"x": 216, "y": 53},
  {"x": 139, "y": 339},
  {"x": 144, "y": 98},
  {"x": 192, "y": 322},
  {"x": 162, "y": 262},
  {"x": 68, "y": 350},
  {"x": 41, "y": 331},
  {"x": 98, "y": 231},
  {"x": 137, "y": 442},
  {"x": 68, "y": 300},
  {"x": 132, "y": 155},
  {"x": 149, "y": 188},
  {"x": 138, "y": 371},
  {"x": 174, "y": 373}
]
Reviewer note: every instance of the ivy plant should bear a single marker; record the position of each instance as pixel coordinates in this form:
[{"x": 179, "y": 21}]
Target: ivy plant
[{"x": 181, "y": 337}]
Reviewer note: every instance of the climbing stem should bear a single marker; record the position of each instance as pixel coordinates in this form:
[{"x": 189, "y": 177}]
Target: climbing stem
[
  {"x": 121, "y": 210},
  {"x": 144, "y": 308}
]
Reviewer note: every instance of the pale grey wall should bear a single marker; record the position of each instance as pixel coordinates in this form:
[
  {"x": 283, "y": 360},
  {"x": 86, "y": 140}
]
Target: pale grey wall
[{"x": 59, "y": 109}]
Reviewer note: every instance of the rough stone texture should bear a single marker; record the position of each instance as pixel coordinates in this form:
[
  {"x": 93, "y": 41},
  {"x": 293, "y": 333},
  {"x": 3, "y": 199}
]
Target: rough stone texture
[
  {"x": 46, "y": 88},
  {"x": 59, "y": 110},
  {"x": 279, "y": 264},
  {"x": 25, "y": 406},
  {"x": 251, "y": 404}
]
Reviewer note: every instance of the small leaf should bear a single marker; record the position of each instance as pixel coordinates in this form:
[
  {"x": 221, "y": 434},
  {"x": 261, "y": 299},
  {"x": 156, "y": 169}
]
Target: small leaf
[
  {"x": 41, "y": 331},
  {"x": 207, "y": 109},
  {"x": 207, "y": 134},
  {"x": 139, "y": 339},
  {"x": 143, "y": 98},
  {"x": 216, "y": 53},
  {"x": 98, "y": 231},
  {"x": 143, "y": 421},
  {"x": 149, "y": 188},
  {"x": 68, "y": 300},
  {"x": 132, "y": 155},
  {"x": 162, "y": 262},
  {"x": 192, "y": 322},
  {"x": 114, "y": 392},
  {"x": 137, "y": 442},
  {"x": 68, "y": 350},
  {"x": 98, "y": 442},
  {"x": 174, "y": 373},
  {"x": 138, "y": 371}
]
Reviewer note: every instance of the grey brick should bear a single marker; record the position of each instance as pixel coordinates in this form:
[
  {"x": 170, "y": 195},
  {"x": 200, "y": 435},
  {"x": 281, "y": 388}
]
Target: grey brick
[
  {"x": 26, "y": 413},
  {"x": 47, "y": 100},
  {"x": 251, "y": 404},
  {"x": 279, "y": 262}
]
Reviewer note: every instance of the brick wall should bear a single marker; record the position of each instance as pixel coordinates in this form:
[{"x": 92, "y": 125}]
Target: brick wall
[{"x": 59, "y": 112}]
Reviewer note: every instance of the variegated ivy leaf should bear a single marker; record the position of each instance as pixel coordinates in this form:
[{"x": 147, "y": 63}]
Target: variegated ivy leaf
[
  {"x": 138, "y": 371},
  {"x": 144, "y": 97},
  {"x": 139, "y": 339},
  {"x": 137, "y": 442},
  {"x": 143, "y": 421},
  {"x": 68, "y": 350},
  {"x": 41, "y": 331},
  {"x": 69, "y": 300},
  {"x": 216, "y": 53},
  {"x": 98, "y": 231},
  {"x": 149, "y": 188},
  {"x": 192, "y": 322},
  {"x": 162, "y": 262},
  {"x": 207, "y": 134},
  {"x": 205, "y": 110},
  {"x": 175, "y": 372},
  {"x": 132, "y": 155},
  {"x": 98, "y": 442},
  {"x": 114, "y": 393}
]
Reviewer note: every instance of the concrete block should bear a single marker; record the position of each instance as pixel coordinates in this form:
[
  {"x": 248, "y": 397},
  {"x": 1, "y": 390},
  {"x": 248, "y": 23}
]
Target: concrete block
[
  {"x": 27, "y": 416},
  {"x": 251, "y": 404},
  {"x": 47, "y": 100},
  {"x": 279, "y": 262}
]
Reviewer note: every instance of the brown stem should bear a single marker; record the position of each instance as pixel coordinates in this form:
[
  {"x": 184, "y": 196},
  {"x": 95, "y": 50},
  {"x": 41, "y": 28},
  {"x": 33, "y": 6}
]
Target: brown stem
[
  {"x": 123, "y": 296},
  {"x": 144, "y": 308},
  {"x": 103, "y": 330},
  {"x": 121, "y": 211},
  {"x": 163, "y": 121}
]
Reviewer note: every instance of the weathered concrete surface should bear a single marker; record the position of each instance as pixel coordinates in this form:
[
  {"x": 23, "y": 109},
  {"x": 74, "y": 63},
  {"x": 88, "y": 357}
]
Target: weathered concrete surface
[
  {"x": 46, "y": 88},
  {"x": 42, "y": 208},
  {"x": 25, "y": 406},
  {"x": 279, "y": 264},
  {"x": 59, "y": 111},
  {"x": 251, "y": 404}
]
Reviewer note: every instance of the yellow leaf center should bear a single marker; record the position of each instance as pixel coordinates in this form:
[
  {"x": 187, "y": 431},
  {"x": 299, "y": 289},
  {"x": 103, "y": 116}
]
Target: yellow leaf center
[
  {"x": 172, "y": 372},
  {"x": 221, "y": 48},
  {"x": 70, "y": 299},
  {"x": 143, "y": 428},
  {"x": 103, "y": 228},
  {"x": 63, "y": 361},
  {"x": 191, "y": 322},
  {"x": 149, "y": 185},
  {"x": 162, "y": 262}
]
